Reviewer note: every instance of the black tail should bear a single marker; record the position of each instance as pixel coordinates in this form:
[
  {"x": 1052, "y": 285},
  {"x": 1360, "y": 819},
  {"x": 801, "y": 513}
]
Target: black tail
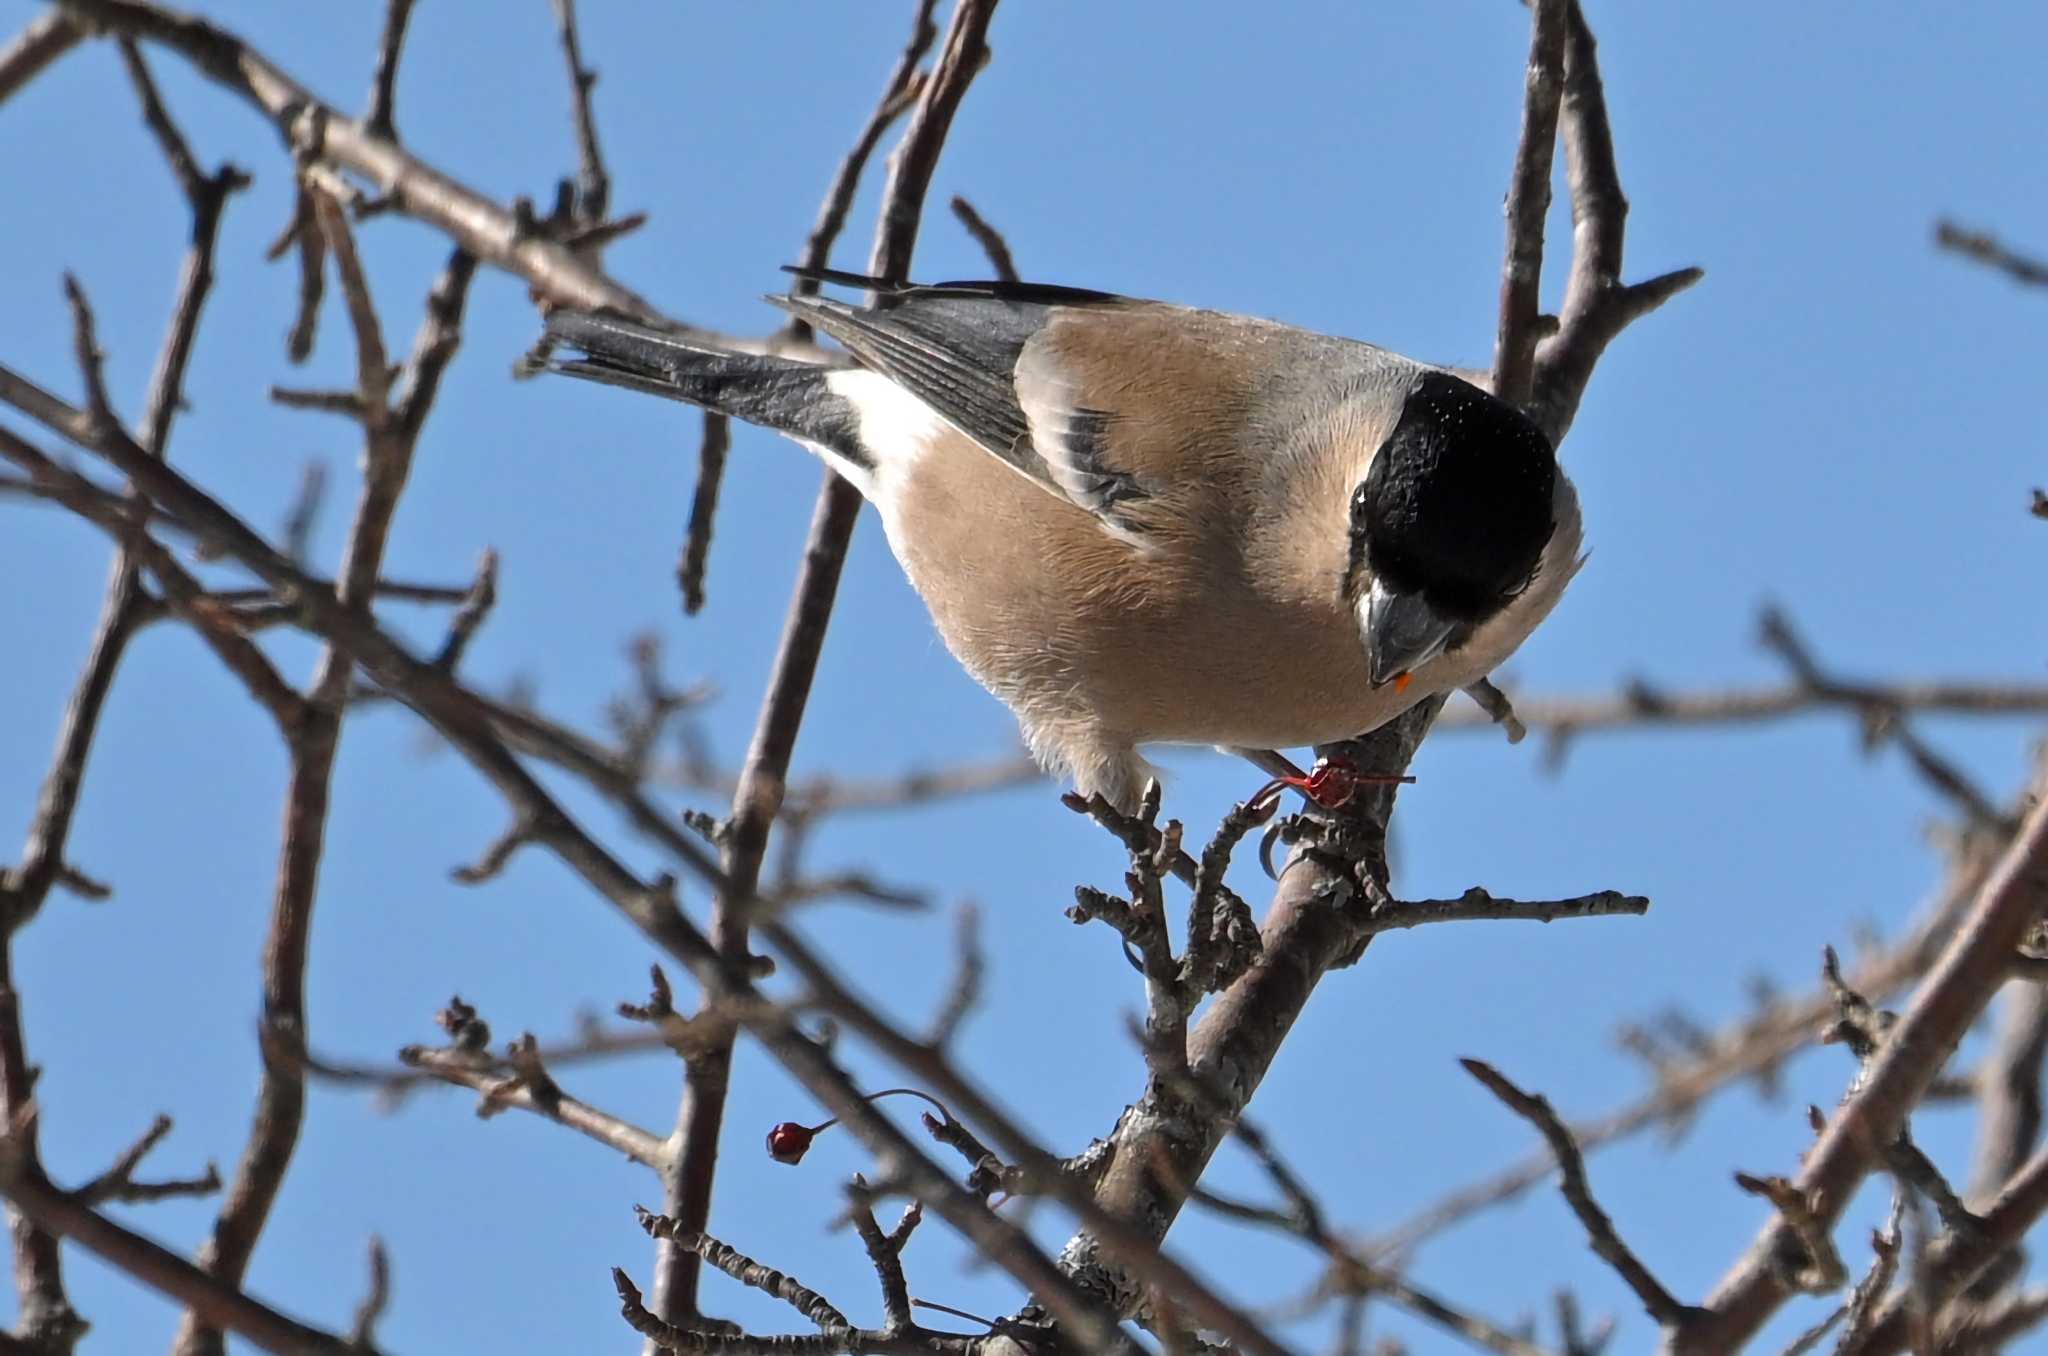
[{"x": 780, "y": 393}]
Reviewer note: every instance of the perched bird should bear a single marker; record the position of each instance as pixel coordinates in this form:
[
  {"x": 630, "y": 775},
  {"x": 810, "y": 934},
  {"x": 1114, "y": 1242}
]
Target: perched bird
[{"x": 1138, "y": 523}]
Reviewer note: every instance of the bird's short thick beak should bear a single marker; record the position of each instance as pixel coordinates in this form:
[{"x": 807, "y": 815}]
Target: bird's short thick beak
[{"x": 1402, "y": 632}]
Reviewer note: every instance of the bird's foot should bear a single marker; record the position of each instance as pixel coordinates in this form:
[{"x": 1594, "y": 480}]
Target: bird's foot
[{"x": 1329, "y": 785}]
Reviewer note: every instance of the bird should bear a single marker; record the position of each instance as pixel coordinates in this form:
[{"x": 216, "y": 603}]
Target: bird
[{"x": 1136, "y": 522}]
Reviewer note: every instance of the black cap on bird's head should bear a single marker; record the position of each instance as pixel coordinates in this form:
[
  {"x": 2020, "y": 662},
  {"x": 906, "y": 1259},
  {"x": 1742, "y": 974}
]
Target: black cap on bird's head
[{"x": 1450, "y": 521}]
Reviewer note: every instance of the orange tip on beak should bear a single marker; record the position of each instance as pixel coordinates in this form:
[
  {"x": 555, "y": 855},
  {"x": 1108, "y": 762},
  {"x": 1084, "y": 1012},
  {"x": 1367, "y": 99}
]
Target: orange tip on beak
[{"x": 1401, "y": 681}]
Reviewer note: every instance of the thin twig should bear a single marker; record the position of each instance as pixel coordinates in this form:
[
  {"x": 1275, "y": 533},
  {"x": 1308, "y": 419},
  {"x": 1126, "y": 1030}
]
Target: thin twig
[
  {"x": 118, "y": 1182},
  {"x": 885, "y": 1252},
  {"x": 696, "y": 553},
  {"x": 969, "y": 967},
  {"x": 363, "y": 1332},
  {"x": 383, "y": 84},
  {"x": 1598, "y": 306},
  {"x": 1477, "y": 905},
  {"x": 469, "y": 618},
  {"x": 905, "y": 86},
  {"x": 1985, "y": 248},
  {"x": 299, "y": 520},
  {"x": 593, "y": 185},
  {"x": 1641, "y": 705},
  {"x": 1578, "y": 1193},
  {"x": 988, "y": 237},
  {"x": 521, "y": 1083}
]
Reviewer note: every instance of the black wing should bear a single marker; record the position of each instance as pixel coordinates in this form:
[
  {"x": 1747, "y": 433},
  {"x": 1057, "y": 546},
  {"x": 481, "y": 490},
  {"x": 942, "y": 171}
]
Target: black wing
[{"x": 956, "y": 347}]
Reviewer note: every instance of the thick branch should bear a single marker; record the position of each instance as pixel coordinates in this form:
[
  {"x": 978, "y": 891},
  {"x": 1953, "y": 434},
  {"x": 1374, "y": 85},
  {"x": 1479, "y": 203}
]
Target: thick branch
[
  {"x": 223, "y": 1306},
  {"x": 48, "y": 36},
  {"x": 1959, "y": 1257},
  {"x": 1955, "y": 991}
]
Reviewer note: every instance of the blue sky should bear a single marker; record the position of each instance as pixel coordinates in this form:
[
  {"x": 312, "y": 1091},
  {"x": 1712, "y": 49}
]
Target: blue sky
[{"x": 1838, "y": 418}]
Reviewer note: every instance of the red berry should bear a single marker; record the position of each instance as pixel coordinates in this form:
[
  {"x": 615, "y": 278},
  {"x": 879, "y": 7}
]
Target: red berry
[{"x": 789, "y": 1142}]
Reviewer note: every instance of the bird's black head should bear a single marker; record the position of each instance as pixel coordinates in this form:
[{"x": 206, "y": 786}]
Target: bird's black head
[{"x": 1456, "y": 505}]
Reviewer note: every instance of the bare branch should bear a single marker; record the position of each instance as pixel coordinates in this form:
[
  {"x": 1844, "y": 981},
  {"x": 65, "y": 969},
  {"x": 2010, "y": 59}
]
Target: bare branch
[
  {"x": 363, "y": 1332},
  {"x": 968, "y": 969},
  {"x": 373, "y": 368},
  {"x": 1640, "y": 705},
  {"x": 2009, "y": 1100},
  {"x": 222, "y": 1305},
  {"x": 696, "y": 554},
  {"x": 1349, "y": 1274},
  {"x": 905, "y": 87},
  {"x": 304, "y": 513},
  {"x": 118, "y": 1182},
  {"x": 853, "y": 885},
  {"x": 1578, "y": 1193},
  {"x": 746, "y": 1270},
  {"x": 302, "y": 236},
  {"x": 1885, "y": 1246},
  {"x": 1819, "y": 1269},
  {"x": 1498, "y": 709},
  {"x": 1958, "y": 1257},
  {"x": 470, "y": 616},
  {"x": 389, "y": 438},
  {"x": 521, "y": 1082},
  {"x": 383, "y": 84},
  {"x": 182, "y": 593},
  {"x": 885, "y": 1251},
  {"x": 48, "y": 36},
  {"x": 1990, "y": 1326},
  {"x": 494, "y": 234},
  {"x": 593, "y": 185},
  {"x": 1514, "y": 350},
  {"x": 1880, "y": 725},
  {"x": 1955, "y": 991},
  {"x": 172, "y": 142},
  {"x": 496, "y": 857},
  {"x": 43, "y": 1307},
  {"x": 1597, "y": 305},
  {"x": 457, "y": 715},
  {"x": 1750, "y": 1048},
  {"x": 988, "y": 237},
  {"x": 1984, "y": 248},
  {"x": 1476, "y": 904}
]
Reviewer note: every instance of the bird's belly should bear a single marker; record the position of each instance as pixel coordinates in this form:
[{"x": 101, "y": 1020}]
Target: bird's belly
[
  {"x": 1071, "y": 627},
  {"x": 1259, "y": 693}
]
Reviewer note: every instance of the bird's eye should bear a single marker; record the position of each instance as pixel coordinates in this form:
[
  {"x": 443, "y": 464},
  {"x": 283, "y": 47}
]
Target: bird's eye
[{"x": 1359, "y": 502}]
